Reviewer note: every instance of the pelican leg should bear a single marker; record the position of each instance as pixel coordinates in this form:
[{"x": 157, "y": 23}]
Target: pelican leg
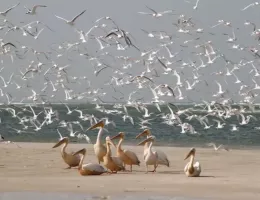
[
  {"x": 155, "y": 166},
  {"x": 146, "y": 169},
  {"x": 109, "y": 172},
  {"x": 130, "y": 168}
]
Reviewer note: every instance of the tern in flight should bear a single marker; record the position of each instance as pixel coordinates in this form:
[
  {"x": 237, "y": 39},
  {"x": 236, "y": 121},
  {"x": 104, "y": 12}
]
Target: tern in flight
[
  {"x": 71, "y": 22},
  {"x": 154, "y": 13}
]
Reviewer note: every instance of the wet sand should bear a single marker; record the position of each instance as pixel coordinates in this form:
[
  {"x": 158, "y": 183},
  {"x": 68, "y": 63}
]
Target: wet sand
[{"x": 36, "y": 167}]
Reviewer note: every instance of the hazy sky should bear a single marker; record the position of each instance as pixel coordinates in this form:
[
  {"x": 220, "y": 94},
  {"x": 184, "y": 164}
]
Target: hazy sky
[{"x": 125, "y": 14}]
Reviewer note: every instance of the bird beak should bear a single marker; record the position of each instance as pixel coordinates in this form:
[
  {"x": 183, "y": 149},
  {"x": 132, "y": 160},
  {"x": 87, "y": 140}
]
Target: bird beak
[
  {"x": 145, "y": 132},
  {"x": 81, "y": 151},
  {"x": 60, "y": 143},
  {"x": 144, "y": 141},
  {"x": 99, "y": 124},
  {"x": 189, "y": 154},
  {"x": 116, "y": 136}
]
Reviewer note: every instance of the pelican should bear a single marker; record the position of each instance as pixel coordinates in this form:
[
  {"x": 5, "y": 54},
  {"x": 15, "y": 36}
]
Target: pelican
[
  {"x": 90, "y": 168},
  {"x": 69, "y": 158},
  {"x": 99, "y": 148},
  {"x": 192, "y": 169},
  {"x": 128, "y": 157},
  {"x": 162, "y": 158},
  {"x": 114, "y": 164},
  {"x": 151, "y": 157}
]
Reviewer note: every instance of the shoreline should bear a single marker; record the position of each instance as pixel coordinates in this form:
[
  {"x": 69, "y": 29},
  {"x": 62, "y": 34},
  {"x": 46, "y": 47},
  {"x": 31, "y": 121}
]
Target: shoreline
[
  {"x": 225, "y": 175},
  {"x": 126, "y": 144}
]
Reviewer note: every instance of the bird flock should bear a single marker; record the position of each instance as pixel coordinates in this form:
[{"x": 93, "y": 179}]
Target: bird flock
[{"x": 130, "y": 75}]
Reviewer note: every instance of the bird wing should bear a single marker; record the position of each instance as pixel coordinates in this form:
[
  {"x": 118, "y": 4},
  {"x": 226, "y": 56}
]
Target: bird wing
[
  {"x": 167, "y": 11},
  {"x": 162, "y": 158},
  {"x": 94, "y": 167},
  {"x": 171, "y": 90},
  {"x": 144, "y": 13},
  {"x": 117, "y": 161},
  {"x": 77, "y": 16},
  {"x": 61, "y": 18},
  {"x": 248, "y": 6},
  {"x": 36, "y": 6},
  {"x": 132, "y": 156},
  {"x": 151, "y": 9},
  {"x": 12, "y": 7}
]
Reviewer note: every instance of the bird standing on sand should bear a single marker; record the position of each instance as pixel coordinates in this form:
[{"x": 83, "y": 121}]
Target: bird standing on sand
[{"x": 128, "y": 157}]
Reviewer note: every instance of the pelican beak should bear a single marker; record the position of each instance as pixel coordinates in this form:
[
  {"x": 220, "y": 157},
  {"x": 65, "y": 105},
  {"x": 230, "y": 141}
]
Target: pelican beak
[
  {"x": 146, "y": 140},
  {"x": 191, "y": 152},
  {"x": 60, "y": 142},
  {"x": 145, "y": 132},
  {"x": 99, "y": 124},
  {"x": 119, "y": 135},
  {"x": 81, "y": 151}
]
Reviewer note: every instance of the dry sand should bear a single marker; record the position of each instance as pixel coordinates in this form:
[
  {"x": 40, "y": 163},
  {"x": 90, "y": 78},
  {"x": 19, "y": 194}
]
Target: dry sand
[{"x": 225, "y": 175}]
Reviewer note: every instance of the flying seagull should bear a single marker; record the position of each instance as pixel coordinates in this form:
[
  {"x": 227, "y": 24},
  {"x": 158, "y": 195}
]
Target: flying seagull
[{"x": 71, "y": 22}]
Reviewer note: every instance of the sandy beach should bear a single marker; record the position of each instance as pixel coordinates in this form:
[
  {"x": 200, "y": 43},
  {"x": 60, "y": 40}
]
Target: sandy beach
[{"x": 37, "y": 167}]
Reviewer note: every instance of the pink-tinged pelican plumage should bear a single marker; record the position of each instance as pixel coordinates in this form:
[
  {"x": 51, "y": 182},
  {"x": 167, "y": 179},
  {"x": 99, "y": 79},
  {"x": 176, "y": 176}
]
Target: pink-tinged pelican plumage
[
  {"x": 69, "y": 158},
  {"x": 162, "y": 157},
  {"x": 192, "y": 169},
  {"x": 113, "y": 163},
  {"x": 99, "y": 148},
  {"x": 90, "y": 168},
  {"x": 128, "y": 157},
  {"x": 151, "y": 157}
]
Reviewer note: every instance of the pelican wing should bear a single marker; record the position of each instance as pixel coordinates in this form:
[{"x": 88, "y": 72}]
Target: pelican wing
[
  {"x": 118, "y": 161},
  {"x": 162, "y": 158},
  {"x": 94, "y": 167},
  {"x": 132, "y": 156}
]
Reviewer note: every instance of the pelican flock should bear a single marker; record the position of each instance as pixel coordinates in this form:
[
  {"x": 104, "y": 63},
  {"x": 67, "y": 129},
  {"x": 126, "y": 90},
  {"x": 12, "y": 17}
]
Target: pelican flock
[{"x": 184, "y": 77}]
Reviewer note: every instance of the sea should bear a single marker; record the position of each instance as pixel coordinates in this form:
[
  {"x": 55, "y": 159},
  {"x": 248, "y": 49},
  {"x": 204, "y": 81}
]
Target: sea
[{"x": 247, "y": 136}]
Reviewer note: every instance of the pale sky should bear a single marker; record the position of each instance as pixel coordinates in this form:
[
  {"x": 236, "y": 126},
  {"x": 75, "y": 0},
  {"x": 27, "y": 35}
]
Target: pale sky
[{"x": 125, "y": 14}]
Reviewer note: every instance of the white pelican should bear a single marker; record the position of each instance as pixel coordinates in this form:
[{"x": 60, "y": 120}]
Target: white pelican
[
  {"x": 192, "y": 169},
  {"x": 69, "y": 158},
  {"x": 99, "y": 148},
  {"x": 128, "y": 157},
  {"x": 114, "y": 164},
  {"x": 162, "y": 158},
  {"x": 151, "y": 157},
  {"x": 90, "y": 168}
]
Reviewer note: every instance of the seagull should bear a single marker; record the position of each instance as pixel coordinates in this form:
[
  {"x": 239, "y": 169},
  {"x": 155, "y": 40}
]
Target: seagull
[
  {"x": 234, "y": 127},
  {"x": 154, "y": 13},
  {"x": 217, "y": 148},
  {"x": 219, "y": 126},
  {"x": 33, "y": 10},
  {"x": 4, "y": 13},
  {"x": 71, "y": 22}
]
